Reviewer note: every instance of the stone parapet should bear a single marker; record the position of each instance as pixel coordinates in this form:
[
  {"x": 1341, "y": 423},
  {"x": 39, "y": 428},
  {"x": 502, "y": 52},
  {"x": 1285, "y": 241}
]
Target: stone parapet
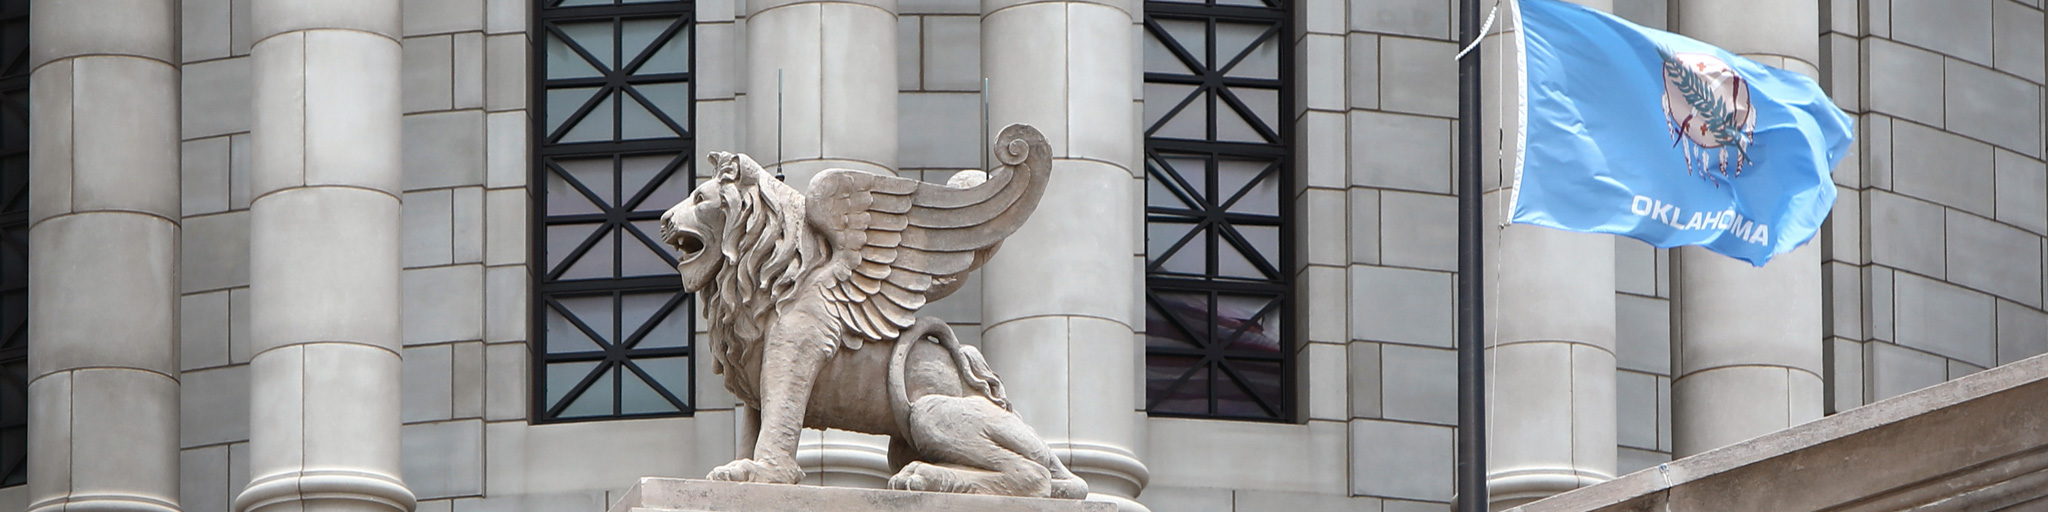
[{"x": 652, "y": 494}]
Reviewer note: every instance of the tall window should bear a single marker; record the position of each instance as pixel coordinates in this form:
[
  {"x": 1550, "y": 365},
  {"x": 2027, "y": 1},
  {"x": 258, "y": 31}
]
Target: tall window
[
  {"x": 1216, "y": 165},
  {"x": 13, "y": 242},
  {"x": 612, "y": 123}
]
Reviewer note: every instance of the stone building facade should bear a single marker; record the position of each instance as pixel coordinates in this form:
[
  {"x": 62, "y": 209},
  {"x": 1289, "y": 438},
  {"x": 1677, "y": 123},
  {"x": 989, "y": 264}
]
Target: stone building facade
[{"x": 393, "y": 252}]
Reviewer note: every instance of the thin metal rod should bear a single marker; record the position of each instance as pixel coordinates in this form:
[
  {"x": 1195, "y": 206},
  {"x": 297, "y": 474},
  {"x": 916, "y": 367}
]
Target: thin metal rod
[
  {"x": 778, "y": 123},
  {"x": 984, "y": 123},
  {"x": 1471, "y": 472}
]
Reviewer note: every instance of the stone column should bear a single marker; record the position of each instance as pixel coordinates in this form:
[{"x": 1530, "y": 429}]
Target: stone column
[
  {"x": 1552, "y": 375},
  {"x": 323, "y": 258},
  {"x": 1061, "y": 298},
  {"x": 821, "y": 94},
  {"x": 103, "y": 287},
  {"x": 837, "y": 91},
  {"x": 1749, "y": 353}
]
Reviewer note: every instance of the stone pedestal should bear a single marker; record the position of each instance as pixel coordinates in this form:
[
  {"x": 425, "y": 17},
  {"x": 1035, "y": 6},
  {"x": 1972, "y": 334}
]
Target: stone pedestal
[{"x": 680, "y": 495}]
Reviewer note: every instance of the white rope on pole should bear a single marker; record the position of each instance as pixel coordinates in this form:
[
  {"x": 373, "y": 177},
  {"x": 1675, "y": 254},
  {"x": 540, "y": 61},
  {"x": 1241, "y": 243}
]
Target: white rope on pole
[{"x": 1483, "y": 27}]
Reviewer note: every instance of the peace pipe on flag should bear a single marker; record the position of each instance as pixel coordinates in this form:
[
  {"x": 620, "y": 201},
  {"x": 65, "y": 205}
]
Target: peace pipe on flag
[{"x": 1639, "y": 132}]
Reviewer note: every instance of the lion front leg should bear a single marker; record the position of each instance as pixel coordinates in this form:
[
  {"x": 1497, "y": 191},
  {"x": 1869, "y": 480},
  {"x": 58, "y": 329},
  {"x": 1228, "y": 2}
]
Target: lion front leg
[{"x": 794, "y": 352}]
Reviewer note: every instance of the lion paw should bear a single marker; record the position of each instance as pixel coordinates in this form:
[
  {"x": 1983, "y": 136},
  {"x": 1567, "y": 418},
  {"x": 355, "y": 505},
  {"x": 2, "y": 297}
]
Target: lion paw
[
  {"x": 750, "y": 470},
  {"x": 920, "y": 476}
]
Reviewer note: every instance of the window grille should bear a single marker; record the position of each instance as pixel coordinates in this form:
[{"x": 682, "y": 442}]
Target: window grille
[
  {"x": 1217, "y": 228},
  {"x": 613, "y": 147}
]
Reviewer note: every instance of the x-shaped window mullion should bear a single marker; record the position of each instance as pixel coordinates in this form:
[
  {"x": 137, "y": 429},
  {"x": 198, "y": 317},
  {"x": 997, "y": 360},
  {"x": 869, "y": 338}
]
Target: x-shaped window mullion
[
  {"x": 1269, "y": 171},
  {"x": 632, "y": 341},
  {"x": 659, "y": 114},
  {"x": 1172, "y": 44},
  {"x": 1251, "y": 254},
  {"x": 656, "y": 385},
  {"x": 654, "y": 46},
  {"x": 577, "y": 321},
  {"x": 583, "y": 386},
  {"x": 1257, "y": 122},
  {"x": 1197, "y": 94},
  {"x": 1239, "y": 380},
  {"x": 1248, "y": 49}
]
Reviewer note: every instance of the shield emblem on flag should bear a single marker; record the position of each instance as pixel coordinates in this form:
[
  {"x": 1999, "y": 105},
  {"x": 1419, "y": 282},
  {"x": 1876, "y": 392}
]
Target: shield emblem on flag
[{"x": 1707, "y": 108}]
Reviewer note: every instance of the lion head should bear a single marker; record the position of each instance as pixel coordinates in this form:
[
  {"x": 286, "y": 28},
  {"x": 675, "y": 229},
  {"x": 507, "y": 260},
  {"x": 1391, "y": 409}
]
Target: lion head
[{"x": 742, "y": 246}]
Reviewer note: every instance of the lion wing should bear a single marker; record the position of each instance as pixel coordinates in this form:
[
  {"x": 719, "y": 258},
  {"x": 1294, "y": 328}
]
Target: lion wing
[{"x": 897, "y": 242}]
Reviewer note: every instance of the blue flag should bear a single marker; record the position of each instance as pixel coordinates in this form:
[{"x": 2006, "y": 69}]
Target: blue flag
[{"x": 1639, "y": 132}]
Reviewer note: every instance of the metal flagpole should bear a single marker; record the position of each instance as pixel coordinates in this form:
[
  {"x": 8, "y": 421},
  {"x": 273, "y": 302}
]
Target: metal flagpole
[{"x": 1471, "y": 472}]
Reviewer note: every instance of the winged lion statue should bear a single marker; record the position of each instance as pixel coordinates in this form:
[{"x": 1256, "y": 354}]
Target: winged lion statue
[{"x": 812, "y": 301}]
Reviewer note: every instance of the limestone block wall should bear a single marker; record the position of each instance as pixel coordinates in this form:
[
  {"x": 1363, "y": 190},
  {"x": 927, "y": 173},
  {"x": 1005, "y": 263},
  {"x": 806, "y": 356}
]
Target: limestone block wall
[
  {"x": 1398, "y": 136},
  {"x": 214, "y": 275},
  {"x": 938, "y": 53},
  {"x": 1934, "y": 257},
  {"x": 452, "y": 247}
]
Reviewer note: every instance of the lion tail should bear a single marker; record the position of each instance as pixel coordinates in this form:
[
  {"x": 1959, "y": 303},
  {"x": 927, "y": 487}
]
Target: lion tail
[
  {"x": 975, "y": 372},
  {"x": 899, "y": 355},
  {"x": 974, "y": 369}
]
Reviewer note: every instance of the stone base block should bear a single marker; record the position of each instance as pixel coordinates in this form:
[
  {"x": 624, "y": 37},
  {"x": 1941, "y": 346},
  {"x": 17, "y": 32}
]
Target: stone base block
[{"x": 682, "y": 495}]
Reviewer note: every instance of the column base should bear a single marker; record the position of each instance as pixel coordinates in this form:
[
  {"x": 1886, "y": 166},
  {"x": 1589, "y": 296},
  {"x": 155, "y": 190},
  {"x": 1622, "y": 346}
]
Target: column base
[
  {"x": 1111, "y": 471},
  {"x": 845, "y": 463},
  {"x": 326, "y": 485},
  {"x": 104, "y": 504},
  {"x": 1516, "y": 487}
]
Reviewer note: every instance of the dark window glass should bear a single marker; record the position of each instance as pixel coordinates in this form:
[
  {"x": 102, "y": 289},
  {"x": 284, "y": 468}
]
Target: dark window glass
[
  {"x": 612, "y": 123},
  {"x": 13, "y": 242},
  {"x": 1216, "y": 215}
]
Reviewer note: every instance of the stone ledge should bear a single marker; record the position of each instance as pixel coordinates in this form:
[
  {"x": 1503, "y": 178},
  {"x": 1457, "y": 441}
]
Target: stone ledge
[
  {"x": 652, "y": 494},
  {"x": 1979, "y": 442}
]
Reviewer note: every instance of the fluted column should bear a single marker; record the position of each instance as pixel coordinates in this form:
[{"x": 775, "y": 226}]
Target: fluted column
[
  {"x": 323, "y": 258},
  {"x": 1552, "y": 390},
  {"x": 103, "y": 275},
  {"x": 821, "y": 94},
  {"x": 1060, "y": 298},
  {"x": 833, "y": 104},
  {"x": 1749, "y": 351}
]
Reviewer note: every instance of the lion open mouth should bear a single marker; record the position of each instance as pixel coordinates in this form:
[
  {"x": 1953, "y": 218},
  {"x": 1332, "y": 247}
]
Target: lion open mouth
[{"x": 687, "y": 244}]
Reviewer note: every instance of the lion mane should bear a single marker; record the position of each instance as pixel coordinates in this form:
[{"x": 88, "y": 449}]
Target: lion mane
[{"x": 769, "y": 252}]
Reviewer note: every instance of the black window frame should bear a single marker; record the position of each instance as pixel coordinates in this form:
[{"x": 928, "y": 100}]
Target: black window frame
[
  {"x": 1218, "y": 356},
  {"x": 546, "y": 287},
  {"x": 14, "y": 225}
]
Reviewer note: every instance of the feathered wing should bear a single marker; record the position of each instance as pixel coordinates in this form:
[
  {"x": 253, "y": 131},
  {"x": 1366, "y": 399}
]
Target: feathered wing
[{"x": 899, "y": 243}]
